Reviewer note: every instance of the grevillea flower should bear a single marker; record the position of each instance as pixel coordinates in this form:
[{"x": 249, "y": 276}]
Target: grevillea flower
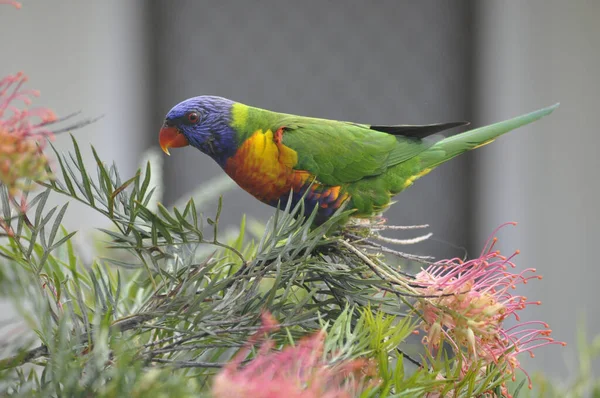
[
  {"x": 300, "y": 371},
  {"x": 466, "y": 303},
  {"x": 15, "y": 4},
  {"x": 22, "y": 135}
]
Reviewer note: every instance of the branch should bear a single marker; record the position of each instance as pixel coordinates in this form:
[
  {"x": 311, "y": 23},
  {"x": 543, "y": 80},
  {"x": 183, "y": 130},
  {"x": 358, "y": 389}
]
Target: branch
[
  {"x": 24, "y": 357},
  {"x": 42, "y": 350},
  {"x": 190, "y": 364}
]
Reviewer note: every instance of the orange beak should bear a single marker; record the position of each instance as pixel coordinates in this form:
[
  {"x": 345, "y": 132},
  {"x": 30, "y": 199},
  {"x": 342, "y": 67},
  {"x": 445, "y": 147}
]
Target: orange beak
[{"x": 171, "y": 137}]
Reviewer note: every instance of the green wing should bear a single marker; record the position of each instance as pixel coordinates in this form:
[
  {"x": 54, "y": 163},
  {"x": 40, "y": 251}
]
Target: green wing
[{"x": 340, "y": 152}]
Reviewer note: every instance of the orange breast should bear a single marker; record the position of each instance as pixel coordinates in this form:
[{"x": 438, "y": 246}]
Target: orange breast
[{"x": 263, "y": 166}]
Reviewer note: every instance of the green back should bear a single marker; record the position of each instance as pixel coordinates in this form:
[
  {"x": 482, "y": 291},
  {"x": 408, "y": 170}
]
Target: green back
[{"x": 335, "y": 152}]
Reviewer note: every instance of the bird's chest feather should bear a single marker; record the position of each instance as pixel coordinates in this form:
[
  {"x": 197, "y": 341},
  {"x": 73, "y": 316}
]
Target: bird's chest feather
[{"x": 263, "y": 166}]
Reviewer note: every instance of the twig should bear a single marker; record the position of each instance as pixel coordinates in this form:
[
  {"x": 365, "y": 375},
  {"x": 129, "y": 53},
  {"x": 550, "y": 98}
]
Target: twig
[
  {"x": 381, "y": 273},
  {"x": 195, "y": 346},
  {"x": 222, "y": 331},
  {"x": 405, "y": 355},
  {"x": 385, "y": 249},
  {"x": 24, "y": 357},
  {"x": 399, "y": 227},
  {"x": 74, "y": 126},
  {"x": 411, "y": 241},
  {"x": 189, "y": 364},
  {"x": 42, "y": 350}
]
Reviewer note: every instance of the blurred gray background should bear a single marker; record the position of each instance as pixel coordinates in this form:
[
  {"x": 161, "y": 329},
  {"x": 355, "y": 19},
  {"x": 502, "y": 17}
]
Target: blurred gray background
[{"x": 386, "y": 62}]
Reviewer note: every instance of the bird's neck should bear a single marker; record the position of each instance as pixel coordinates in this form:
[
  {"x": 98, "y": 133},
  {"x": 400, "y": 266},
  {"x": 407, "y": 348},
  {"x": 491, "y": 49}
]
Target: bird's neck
[
  {"x": 247, "y": 120},
  {"x": 220, "y": 146},
  {"x": 243, "y": 122}
]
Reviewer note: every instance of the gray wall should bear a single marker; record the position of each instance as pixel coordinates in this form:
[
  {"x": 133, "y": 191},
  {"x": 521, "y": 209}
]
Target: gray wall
[
  {"x": 89, "y": 56},
  {"x": 546, "y": 176}
]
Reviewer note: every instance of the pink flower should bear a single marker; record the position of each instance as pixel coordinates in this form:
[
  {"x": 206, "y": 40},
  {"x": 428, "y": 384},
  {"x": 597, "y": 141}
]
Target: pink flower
[
  {"x": 15, "y": 4},
  {"x": 466, "y": 304},
  {"x": 300, "y": 371},
  {"x": 22, "y": 135}
]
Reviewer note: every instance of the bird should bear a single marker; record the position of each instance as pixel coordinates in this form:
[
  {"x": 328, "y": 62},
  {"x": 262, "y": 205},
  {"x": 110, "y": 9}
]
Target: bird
[{"x": 278, "y": 157}]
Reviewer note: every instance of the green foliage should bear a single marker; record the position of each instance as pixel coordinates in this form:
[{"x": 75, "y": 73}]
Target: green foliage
[{"x": 157, "y": 314}]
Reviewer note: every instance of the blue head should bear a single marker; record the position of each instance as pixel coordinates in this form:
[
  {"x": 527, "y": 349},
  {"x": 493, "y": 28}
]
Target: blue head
[{"x": 202, "y": 122}]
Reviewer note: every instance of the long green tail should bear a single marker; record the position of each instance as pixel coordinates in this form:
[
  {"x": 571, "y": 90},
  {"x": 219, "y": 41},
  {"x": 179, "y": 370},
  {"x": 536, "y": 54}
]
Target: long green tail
[{"x": 450, "y": 147}]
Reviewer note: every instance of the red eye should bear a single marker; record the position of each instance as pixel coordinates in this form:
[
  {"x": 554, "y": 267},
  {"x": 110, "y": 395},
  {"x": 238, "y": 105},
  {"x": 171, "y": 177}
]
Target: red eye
[{"x": 193, "y": 117}]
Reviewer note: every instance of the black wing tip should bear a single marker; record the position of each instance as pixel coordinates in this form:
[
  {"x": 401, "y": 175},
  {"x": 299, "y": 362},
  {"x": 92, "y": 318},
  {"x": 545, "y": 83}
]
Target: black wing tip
[
  {"x": 418, "y": 131},
  {"x": 458, "y": 124}
]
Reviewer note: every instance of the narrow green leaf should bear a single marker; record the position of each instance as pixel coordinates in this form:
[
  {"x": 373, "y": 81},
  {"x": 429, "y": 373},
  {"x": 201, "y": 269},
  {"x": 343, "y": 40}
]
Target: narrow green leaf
[
  {"x": 164, "y": 231},
  {"x": 167, "y": 216},
  {"x": 64, "y": 172},
  {"x": 149, "y": 197},
  {"x": 182, "y": 220},
  {"x": 103, "y": 174},
  {"x": 41, "y": 226},
  {"x": 119, "y": 190},
  {"x": 518, "y": 389},
  {"x": 5, "y": 204},
  {"x": 84, "y": 175},
  {"x": 57, "y": 223},
  {"x": 70, "y": 254},
  {"x": 145, "y": 183},
  {"x": 40, "y": 206},
  {"x": 122, "y": 264},
  {"x": 62, "y": 240},
  {"x": 57, "y": 285},
  {"x": 193, "y": 212},
  {"x": 117, "y": 236},
  {"x": 154, "y": 233}
]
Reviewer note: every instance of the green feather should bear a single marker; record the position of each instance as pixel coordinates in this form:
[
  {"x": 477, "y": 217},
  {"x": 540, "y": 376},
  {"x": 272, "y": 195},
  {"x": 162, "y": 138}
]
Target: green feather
[
  {"x": 372, "y": 195},
  {"x": 454, "y": 146},
  {"x": 370, "y": 165}
]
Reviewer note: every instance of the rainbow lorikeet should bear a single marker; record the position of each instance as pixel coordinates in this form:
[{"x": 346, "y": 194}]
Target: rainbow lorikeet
[{"x": 269, "y": 154}]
